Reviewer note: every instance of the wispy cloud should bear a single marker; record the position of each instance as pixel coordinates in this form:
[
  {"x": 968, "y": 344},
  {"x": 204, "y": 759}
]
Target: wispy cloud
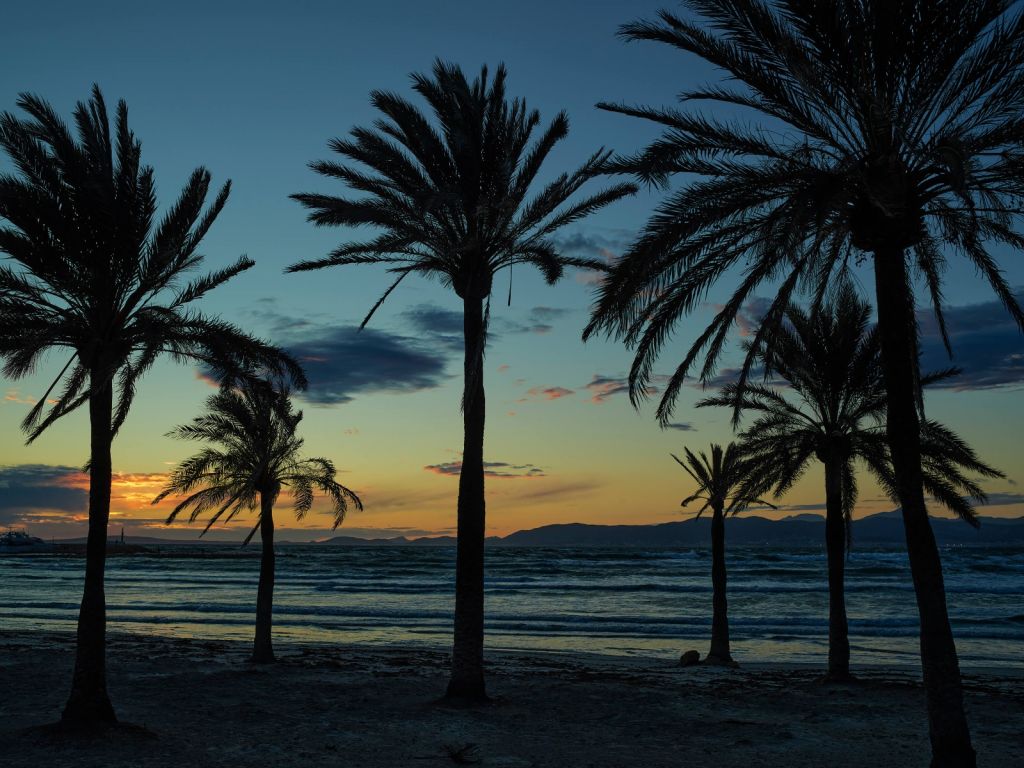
[
  {"x": 500, "y": 469},
  {"x": 538, "y": 320},
  {"x": 547, "y": 393},
  {"x": 602, "y": 387},
  {"x": 681, "y": 426},
  {"x": 605, "y": 245},
  {"x": 1000, "y": 499},
  {"x": 549, "y": 490},
  {"x": 15, "y": 396},
  {"x": 438, "y": 325}
]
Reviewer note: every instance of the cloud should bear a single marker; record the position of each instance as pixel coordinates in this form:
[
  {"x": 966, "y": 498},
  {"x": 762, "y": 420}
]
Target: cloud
[
  {"x": 1003, "y": 499},
  {"x": 538, "y": 320},
  {"x": 343, "y": 362},
  {"x": 15, "y": 396},
  {"x": 607, "y": 246},
  {"x": 439, "y": 325},
  {"x": 748, "y": 319},
  {"x": 375, "y": 533},
  {"x": 987, "y": 345},
  {"x": 681, "y": 426},
  {"x": 26, "y": 487},
  {"x": 503, "y": 368},
  {"x": 391, "y": 498},
  {"x": 549, "y": 491},
  {"x": 602, "y": 387},
  {"x": 549, "y": 393},
  {"x": 500, "y": 469}
]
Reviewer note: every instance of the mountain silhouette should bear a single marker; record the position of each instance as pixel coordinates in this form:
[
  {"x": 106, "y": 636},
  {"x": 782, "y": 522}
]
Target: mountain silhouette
[{"x": 884, "y": 528}]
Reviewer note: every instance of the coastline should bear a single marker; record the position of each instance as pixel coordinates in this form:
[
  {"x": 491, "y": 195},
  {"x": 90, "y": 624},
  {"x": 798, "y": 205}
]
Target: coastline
[{"x": 376, "y": 706}]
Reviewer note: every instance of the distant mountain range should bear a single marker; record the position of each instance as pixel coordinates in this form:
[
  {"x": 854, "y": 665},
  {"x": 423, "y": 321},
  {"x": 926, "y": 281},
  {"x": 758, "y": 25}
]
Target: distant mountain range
[
  {"x": 884, "y": 528},
  {"x": 797, "y": 530}
]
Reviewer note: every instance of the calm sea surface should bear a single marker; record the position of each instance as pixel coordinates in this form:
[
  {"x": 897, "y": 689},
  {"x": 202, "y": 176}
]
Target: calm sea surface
[{"x": 611, "y": 601}]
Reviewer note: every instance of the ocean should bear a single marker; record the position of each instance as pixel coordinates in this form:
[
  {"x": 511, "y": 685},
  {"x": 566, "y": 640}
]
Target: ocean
[{"x": 610, "y": 601}]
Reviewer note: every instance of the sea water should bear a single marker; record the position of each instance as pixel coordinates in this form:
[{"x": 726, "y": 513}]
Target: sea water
[{"x": 609, "y": 601}]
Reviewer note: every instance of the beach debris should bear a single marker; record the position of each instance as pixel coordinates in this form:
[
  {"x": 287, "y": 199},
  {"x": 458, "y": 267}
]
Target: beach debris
[{"x": 689, "y": 659}]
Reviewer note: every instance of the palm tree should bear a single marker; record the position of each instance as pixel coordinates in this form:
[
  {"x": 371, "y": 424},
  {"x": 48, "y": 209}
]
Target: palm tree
[
  {"x": 830, "y": 363},
  {"x": 94, "y": 277},
  {"x": 258, "y": 456},
  {"x": 450, "y": 199},
  {"x": 891, "y": 134},
  {"x": 727, "y": 483}
]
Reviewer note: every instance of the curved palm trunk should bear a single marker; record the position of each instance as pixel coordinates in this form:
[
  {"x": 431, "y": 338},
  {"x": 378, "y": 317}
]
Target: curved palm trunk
[
  {"x": 719, "y": 653},
  {"x": 835, "y": 546},
  {"x": 263, "y": 649},
  {"x": 947, "y": 722},
  {"x": 467, "y": 678},
  {"x": 89, "y": 702}
]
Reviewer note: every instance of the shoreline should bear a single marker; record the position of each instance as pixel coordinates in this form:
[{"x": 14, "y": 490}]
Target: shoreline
[
  {"x": 289, "y": 649},
  {"x": 376, "y": 706}
]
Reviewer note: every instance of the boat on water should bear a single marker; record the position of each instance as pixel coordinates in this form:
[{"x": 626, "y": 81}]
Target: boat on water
[{"x": 17, "y": 542}]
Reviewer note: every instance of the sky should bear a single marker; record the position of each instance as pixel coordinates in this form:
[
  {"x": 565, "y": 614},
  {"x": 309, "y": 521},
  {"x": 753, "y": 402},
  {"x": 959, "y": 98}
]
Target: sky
[{"x": 254, "y": 91}]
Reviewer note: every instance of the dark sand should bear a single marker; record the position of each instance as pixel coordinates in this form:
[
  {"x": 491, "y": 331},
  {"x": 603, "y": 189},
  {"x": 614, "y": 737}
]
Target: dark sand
[{"x": 203, "y": 705}]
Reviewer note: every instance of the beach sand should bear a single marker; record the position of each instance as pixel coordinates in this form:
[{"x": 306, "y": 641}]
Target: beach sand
[{"x": 202, "y": 704}]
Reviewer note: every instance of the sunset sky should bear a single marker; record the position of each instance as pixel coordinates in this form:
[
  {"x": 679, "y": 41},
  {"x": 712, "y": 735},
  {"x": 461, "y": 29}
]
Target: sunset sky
[{"x": 253, "y": 91}]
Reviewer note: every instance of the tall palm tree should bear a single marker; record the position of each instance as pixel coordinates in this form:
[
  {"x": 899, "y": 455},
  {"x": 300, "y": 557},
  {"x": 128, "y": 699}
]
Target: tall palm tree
[
  {"x": 450, "y": 199},
  {"x": 891, "y": 133},
  {"x": 727, "y": 482},
  {"x": 258, "y": 455},
  {"x": 831, "y": 411},
  {"x": 90, "y": 273}
]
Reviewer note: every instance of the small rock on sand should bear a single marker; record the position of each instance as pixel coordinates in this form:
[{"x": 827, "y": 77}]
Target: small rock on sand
[{"x": 689, "y": 659}]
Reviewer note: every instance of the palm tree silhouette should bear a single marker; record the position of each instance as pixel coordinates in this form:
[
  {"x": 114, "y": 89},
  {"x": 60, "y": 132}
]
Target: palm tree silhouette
[
  {"x": 891, "y": 134},
  {"x": 92, "y": 275},
  {"x": 451, "y": 201},
  {"x": 728, "y": 483},
  {"x": 830, "y": 362},
  {"x": 258, "y": 456}
]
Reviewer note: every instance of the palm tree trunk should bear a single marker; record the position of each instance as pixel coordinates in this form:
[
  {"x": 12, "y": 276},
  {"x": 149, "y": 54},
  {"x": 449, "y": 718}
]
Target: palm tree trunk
[
  {"x": 947, "y": 722},
  {"x": 719, "y": 653},
  {"x": 89, "y": 703},
  {"x": 835, "y": 546},
  {"x": 467, "y": 678},
  {"x": 263, "y": 649}
]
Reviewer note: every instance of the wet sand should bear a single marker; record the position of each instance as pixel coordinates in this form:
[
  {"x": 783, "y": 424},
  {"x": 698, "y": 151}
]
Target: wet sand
[{"x": 201, "y": 704}]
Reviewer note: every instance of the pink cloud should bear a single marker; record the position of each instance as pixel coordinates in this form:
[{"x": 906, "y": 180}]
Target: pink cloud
[
  {"x": 549, "y": 393},
  {"x": 603, "y": 387}
]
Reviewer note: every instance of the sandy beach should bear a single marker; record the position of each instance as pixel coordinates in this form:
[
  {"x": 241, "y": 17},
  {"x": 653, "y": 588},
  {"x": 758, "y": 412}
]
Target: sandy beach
[{"x": 202, "y": 704}]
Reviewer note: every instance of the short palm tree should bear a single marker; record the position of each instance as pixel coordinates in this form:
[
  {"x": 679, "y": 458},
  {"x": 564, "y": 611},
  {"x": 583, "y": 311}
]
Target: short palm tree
[
  {"x": 94, "y": 274},
  {"x": 727, "y": 483},
  {"x": 450, "y": 198},
  {"x": 891, "y": 133},
  {"x": 832, "y": 410},
  {"x": 258, "y": 455}
]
